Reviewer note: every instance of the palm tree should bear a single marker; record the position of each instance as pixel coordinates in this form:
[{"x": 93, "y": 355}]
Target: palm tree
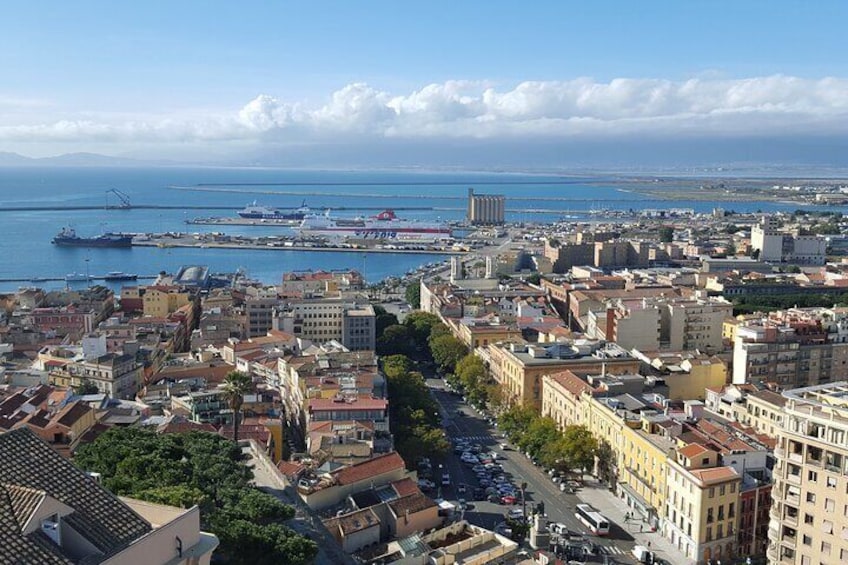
[{"x": 236, "y": 384}]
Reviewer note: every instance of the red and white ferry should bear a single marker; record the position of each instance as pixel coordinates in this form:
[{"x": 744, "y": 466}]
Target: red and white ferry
[{"x": 384, "y": 225}]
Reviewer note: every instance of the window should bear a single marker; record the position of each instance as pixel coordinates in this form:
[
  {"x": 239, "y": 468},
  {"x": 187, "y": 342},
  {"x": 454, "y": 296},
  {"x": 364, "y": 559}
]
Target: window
[
  {"x": 719, "y": 531},
  {"x": 731, "y": 510},
  {"x": 812, "y": 476},
  {"x": 709, "y": 533},
  {"x": 831, "y": 482},
  {"x": 827, "y": 526},
  {"x": 807, "y": 540},
  {"x": 721, "y": 490},
  {"x": 712, "y": 492},
  {"x": 808, "y": 518},
  {"x": 825, "y": 548},
  {"x": 829, "y": 504},
  {"x": 709, "y": 515},
  {"x": 811, "y": 497}
]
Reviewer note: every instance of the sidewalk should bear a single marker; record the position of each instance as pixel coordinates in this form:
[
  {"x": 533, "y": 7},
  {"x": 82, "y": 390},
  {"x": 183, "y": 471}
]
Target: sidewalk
[{"x": 615, "y": 508}]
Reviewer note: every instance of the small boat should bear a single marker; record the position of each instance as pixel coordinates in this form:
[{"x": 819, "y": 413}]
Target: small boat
[
  {"x": 77, "y": 277},
  {"x": 120, "y": 276},
  {"x": 38, "y": 279}
]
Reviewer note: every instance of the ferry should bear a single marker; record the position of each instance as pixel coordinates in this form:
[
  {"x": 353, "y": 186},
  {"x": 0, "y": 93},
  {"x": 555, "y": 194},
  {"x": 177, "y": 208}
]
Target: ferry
[
  {"x": 119, "y": 276},
  {"x": 256, "y": 212},
  {"x": 385, "y": 225},
  {"x": 77, "y": 277}
]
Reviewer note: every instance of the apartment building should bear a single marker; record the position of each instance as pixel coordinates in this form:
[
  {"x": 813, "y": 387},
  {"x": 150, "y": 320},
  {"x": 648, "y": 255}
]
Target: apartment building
[
  {"x": 792, "y": 349},
  {"x": 159, "y": 301},
  {"x": 702, "y": 505},
  {"x": 771, "y": 244},
  {"x": 312, "y": 284},
  {"x": 518, "y": 368},
  {"x": 117, "y": 375},
  {"x": 351, "y": 324},
  {"x": 808, "y": 516}
]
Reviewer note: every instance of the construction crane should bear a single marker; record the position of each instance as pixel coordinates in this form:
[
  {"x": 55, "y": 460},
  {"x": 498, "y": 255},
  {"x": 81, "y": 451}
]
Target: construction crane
[{"x": 124, "y": 199}]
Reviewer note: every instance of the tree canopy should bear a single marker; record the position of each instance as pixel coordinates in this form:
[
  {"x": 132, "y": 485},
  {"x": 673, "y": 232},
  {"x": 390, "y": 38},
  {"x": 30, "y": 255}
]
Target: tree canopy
[
  {"x": 447, "y": 351},
  {"x": 205, "y": 469},
  {"x": 413, "y": 294}
]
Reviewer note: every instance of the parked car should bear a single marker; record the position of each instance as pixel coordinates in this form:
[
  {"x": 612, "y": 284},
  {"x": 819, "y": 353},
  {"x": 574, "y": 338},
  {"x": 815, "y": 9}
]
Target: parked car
[
  {"x": 508, "y": 499},
  {"x": 460, "y": 489},
  {"x": 493, "y": 498}
]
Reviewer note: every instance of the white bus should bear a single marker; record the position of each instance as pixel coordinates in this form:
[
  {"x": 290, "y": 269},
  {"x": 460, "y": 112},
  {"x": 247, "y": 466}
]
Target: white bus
[{"x": 592, "y": 519}]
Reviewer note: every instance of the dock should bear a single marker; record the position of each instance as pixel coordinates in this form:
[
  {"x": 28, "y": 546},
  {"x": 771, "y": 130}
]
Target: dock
[
  {"x": 281, "y": 246},
  {"x": 37, "y": 280}
]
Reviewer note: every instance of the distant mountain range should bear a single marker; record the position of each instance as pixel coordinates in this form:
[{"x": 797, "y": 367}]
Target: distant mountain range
[{"x": 8, "y": 159}]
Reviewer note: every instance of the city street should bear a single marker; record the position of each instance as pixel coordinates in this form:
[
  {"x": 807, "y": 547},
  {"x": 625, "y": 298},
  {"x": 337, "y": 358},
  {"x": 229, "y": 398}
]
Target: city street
[{"x": 462, "y": 421}]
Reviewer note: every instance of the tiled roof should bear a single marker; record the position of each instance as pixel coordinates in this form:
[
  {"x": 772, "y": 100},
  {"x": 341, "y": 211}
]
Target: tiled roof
[
  {"x": 405, "y": 487},
  {"x": 412, "y": 503},
  {"x": 376, "y": 466},
  {"x": 715, "y": 475},
  {"x": 571, "y": 382},
  {"x": 770, "y": 397},
  {"x": 28, "y": 464},
  {"x": 693, "y": 450},
  {"x": 73, "y": 412}
]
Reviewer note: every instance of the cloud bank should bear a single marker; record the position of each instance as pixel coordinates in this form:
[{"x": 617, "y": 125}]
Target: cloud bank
[{"x": 456, "y": 110}]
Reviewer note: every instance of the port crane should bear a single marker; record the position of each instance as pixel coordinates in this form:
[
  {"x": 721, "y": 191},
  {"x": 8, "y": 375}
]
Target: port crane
[{"x": 123, "y": 199}]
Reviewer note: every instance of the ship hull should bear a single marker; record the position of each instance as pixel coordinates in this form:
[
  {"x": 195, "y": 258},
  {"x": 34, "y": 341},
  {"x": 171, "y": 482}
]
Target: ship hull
[
  {"x": 260, "y": 216},
  {"x": 377, "y": 233},
  {"x": 82, "y": 242}
]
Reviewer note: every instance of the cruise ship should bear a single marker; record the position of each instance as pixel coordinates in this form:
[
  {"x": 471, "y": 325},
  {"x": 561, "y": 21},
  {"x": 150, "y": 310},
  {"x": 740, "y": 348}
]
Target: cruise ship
[
  {"x": 257, "y": 212},
  {"x": 384, "y": 225},
  {"x": 69, "y": 238}
]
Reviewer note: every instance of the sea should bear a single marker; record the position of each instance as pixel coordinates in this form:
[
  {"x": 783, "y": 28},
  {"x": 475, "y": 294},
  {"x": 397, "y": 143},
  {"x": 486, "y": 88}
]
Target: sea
[{"x": 26, "y": 252}]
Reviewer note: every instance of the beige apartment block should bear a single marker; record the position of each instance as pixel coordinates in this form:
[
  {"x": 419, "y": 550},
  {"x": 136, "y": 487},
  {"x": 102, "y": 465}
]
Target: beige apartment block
[{"x": 809, "y": 515}]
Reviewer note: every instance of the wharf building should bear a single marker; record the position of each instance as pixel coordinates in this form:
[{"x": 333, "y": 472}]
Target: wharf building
[
  {"x": 486, "y": 209},
  {"x": 811, "y": 478},
  {"x": 774, "y": 245}
]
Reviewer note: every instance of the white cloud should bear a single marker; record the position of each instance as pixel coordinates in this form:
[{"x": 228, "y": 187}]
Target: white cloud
[{"x": 467, "y": 109}]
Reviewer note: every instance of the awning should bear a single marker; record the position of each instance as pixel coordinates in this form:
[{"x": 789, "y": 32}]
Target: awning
[{"x": 637, "y": 500}]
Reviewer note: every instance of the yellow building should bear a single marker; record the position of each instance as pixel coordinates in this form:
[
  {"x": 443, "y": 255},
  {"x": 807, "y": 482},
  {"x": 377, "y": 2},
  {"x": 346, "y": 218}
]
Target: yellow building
[
  {"x": 159, "y": 301},
  {"x": 476, "y": 334},
  {"x": 764, "y": 412},
  {"x": 642, "y": 446},
  {"x": 702, "y": 513},
  {"x": 564, "y": 399},
  {"x": 519, "y": 368}
]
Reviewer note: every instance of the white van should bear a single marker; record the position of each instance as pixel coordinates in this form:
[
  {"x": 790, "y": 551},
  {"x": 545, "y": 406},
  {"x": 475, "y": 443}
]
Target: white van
[{"x": 642, "y": 554}]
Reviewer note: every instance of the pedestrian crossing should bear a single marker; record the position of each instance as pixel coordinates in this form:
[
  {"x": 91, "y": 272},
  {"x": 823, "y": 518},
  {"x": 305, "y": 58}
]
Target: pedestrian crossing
[
  {"x": 611, "y": 550},
  {"x": 471, "y": 439}
]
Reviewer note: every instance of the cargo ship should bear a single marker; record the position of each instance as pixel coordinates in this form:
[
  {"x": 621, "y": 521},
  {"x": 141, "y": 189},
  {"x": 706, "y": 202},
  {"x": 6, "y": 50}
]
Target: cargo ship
[
  {"x": 257, "y": 212},
  {"x": 69, "y": 238},
  {"x": 384, "y": 225}
]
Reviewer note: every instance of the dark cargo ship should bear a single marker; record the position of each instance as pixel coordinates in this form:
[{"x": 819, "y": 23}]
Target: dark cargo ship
[{"x": 69, "y": 238}]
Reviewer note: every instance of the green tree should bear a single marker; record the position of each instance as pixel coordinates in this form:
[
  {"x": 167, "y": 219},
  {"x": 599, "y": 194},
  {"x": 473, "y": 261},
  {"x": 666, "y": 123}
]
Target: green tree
[
  {"x": 606, "y": 463},
  {"x": 383, "y": 319},
  {"x": 421, "y": 325},
  {"x": 666, "y": 234},
  {"x": 515, "y": 420},
  {"x": 395, "y": 339},
  {"x": 580, "y": 447},
  {"x": 235, "y": 385},
  {"x": 542, "y": 432},
  {"x": 396, "y": 365},
  {"x": 205, "y": 469},
  {"x": 535, "y": 278},
  {"x": 447, "y": 351},
  {"x": 413, "y": 294},
  {"x": 87, "y": 387}
]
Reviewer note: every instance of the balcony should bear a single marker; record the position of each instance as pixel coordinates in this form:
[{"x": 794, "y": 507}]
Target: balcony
[
  {"x": 796, "y": 458},
  {"x": 791, "y": 520},
  {"x": 772, "y": 553},
  {"x": 793, "y": 499},
  {"x": 779, "y": 452},
  {"x": 793, "y": 479}
]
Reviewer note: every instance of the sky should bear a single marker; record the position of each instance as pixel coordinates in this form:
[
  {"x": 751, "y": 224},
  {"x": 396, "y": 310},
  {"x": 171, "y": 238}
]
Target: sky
[{"x": 264, "y": 82}]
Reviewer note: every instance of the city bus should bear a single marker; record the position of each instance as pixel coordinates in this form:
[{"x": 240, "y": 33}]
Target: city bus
[{"x": 592, "y": 519}]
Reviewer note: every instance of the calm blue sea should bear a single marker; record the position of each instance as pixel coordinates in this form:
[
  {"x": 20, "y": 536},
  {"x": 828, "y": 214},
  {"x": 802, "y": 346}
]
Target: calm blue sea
[{"x": 26, "y": 251}]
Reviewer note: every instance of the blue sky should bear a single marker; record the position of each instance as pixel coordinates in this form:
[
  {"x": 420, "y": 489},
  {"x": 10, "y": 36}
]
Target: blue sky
[{"x": 117, "y": 76}]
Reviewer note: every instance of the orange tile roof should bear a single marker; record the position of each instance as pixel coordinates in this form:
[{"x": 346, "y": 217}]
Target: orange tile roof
[
  {"x": 692, "y": 450},
  {"x": 715, "y": 474},
  {"x": 571, "y": 382},
  {"x": 405, "y": 487},
  {"x": 373, "y": 467}
]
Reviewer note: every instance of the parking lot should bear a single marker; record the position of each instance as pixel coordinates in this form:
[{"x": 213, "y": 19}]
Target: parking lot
[{"x": 487, "y": 473}]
